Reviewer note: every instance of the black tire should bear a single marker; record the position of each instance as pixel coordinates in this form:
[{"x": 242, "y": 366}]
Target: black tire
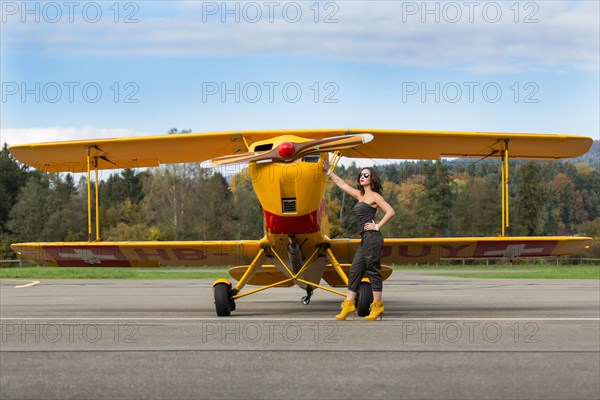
[
  {"x": 222, "y": 301},
  {"x": 364, "y": 299}
]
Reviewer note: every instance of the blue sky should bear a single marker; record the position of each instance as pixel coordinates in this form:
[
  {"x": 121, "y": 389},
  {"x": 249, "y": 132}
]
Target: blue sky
[{"x": 80, "y": 70}]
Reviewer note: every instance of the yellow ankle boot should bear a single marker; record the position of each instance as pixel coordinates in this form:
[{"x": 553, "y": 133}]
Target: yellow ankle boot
[
  {"x": 376, "y": 311},
  {"x": 347, "y": 308}
]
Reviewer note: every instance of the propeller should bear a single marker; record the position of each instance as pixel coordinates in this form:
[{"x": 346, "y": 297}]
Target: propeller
[{"x": 289, "y": 151}]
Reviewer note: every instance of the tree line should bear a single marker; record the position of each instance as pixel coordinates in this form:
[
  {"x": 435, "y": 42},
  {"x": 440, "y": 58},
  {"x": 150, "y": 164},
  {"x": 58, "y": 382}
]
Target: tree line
[{"x": 193, "y": 202}]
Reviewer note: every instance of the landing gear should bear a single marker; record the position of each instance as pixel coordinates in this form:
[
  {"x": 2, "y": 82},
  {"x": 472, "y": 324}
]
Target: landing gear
[
  {"x": 224, "y": 304},
  {"x": 306, "y": 299},
  {"x": 364, "y": 299}
]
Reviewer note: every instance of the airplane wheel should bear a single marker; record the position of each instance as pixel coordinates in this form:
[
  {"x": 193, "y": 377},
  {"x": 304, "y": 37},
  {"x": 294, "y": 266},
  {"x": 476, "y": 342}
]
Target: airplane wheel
[
  {"x": 364, "y": 299},
  {"x": 222, "y": 300},
  {"x": 306, "y": 299}
]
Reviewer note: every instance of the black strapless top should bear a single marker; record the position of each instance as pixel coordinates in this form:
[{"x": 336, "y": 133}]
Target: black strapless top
[{"x": 364, "y": 213}]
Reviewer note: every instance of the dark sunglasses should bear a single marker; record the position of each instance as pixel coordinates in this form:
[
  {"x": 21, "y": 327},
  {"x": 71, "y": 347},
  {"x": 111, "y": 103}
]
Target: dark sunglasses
[{"x": 365, "y": 174}]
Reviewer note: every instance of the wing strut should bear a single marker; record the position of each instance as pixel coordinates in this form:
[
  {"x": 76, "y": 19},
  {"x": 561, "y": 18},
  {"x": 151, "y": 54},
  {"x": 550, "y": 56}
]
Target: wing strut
[
  {"x": 89, "y": 195},
  {"x": 505, "y": 194},
  {"x": 97, "y": 202},
  {"x": 92, "y": 162},
  {"x": 335, "y": 159},
  {"x": 292, "y": 277}
]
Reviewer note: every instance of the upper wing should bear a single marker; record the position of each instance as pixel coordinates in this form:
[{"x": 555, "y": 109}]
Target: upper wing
[
  {"x": 431, "y": 145},
  {"x": 421, "y": 250},
  {"x": 152, "y": 151},
  {"x": 133, "y": 152},
  {"x": 139, "y": 254}
]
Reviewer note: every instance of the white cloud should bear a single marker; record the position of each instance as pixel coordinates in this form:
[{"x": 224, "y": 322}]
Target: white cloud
[{"x": 565, "y": 36}]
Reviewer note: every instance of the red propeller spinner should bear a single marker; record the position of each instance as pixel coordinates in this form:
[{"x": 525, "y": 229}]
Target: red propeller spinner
[{"x": 286, "y": 150}]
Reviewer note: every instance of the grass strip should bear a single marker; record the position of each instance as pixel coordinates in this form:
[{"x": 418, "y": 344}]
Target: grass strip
[
  {"x": 553, "y": 272},
  {"x": 537, "y": 271},
  {"x": 111, "y": 273}
]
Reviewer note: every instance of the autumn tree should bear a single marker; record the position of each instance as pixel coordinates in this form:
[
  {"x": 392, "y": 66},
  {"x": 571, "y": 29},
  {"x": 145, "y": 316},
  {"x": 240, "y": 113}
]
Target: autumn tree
[
  {"x": 434, "y": 208},
  {"x": 247, "y": 210},
  {"x": 528, "y": 217},
  {"x": 36, "y": 214},
  {"x": 13, "y": 176},
  {"x": 476, "y": 211}
]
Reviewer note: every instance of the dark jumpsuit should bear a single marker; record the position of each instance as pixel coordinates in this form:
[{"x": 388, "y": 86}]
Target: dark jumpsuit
[{"x": 368, "y": 256}]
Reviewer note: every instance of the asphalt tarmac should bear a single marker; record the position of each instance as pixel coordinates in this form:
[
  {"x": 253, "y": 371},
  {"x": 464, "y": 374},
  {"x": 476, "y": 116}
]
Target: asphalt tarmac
[{"x": 440, "y": 338}]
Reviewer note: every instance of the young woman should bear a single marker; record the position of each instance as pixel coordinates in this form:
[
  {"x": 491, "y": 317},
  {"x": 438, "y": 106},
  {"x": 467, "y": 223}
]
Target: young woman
[{"x": 368, "y": 255}]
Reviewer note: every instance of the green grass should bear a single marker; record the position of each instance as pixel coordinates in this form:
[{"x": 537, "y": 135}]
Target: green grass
[
  {"x": 495, "y": 267},
  {"x": 112, "y": 273},
  {"x": 521, "y": 271},
  {"x": 537, "y": 271},
  {"x": 549, "y": 272}
]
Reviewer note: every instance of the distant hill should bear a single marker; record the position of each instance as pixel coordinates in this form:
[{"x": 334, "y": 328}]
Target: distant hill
[{"x": 592, "y": 156}]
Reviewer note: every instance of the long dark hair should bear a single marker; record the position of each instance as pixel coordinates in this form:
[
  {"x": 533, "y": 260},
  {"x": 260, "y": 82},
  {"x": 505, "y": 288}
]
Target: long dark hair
[{"x": 375, "y": 181}]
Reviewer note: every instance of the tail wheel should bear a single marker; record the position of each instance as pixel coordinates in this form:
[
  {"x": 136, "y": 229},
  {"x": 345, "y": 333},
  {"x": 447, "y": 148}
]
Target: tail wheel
[
  {"x": 309, "y": 292},
  {"x": 223, "y": 303},
  {"x": 364, "y": 299}
]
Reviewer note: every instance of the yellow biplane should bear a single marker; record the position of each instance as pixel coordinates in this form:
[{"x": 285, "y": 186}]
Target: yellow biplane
[{"x": 286, "y": 169}]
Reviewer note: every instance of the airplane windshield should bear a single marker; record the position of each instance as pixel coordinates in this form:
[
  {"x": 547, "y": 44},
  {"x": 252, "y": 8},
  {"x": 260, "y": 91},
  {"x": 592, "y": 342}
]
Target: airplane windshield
[{"x": 311, "y": 158}]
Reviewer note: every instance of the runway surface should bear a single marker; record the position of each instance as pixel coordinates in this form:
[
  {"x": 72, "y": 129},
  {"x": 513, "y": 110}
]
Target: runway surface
[{"x": 440, "y": 338}]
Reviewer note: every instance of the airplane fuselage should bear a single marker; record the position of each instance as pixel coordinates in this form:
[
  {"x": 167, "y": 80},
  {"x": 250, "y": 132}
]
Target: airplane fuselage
[{"x": 291, "y": 195}]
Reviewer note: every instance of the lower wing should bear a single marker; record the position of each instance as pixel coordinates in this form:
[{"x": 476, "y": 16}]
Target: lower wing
[
  {"x": 139, "y": 254},
  {"x": 427, "y": 250},
  {"x": 242, "y": 252}
]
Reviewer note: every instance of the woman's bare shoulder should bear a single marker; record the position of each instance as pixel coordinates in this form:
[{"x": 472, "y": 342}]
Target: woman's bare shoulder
[{"x": 370, "y": 199}]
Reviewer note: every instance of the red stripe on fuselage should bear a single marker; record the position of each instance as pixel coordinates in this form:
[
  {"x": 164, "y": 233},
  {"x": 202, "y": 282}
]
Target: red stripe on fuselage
[{"x": 308, "y": 223}]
